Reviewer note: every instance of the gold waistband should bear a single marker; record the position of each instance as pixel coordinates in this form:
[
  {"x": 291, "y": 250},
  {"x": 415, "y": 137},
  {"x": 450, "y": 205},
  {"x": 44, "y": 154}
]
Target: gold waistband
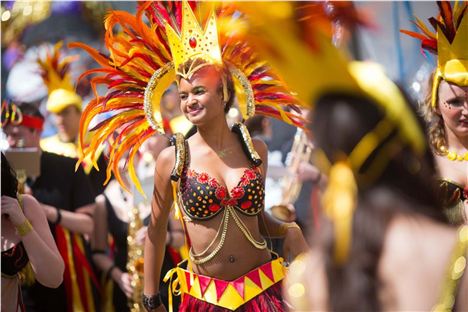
[{"x": 227, "y": 294}]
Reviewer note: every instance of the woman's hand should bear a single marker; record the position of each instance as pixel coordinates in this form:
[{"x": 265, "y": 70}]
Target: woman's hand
[
  {"x": 124, "y": 280},
  {"x": 12, "y": 209},
  {"x": 294, "y": 243}
]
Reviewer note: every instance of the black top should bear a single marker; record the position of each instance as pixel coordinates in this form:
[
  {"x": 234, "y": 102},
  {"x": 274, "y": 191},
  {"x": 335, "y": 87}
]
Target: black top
[
  {"x": 59, "y": 185},
  {"x": 97, "y": 178},
  {"x": 14, "y": 260}
]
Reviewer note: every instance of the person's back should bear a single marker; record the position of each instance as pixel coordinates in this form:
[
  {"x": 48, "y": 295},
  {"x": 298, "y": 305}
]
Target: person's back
[
  {"x": 385, "y": 243},
  {"x": 412, "y": 270},
  {"x": 415, "y": 264}
]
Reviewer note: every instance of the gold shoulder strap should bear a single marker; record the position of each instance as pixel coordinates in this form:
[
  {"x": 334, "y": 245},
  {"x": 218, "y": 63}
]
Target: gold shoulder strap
[
  {"x": 455, "y": 272},
  {"x": 179, "y": 143},
  {"x": 241, "y": 130}
]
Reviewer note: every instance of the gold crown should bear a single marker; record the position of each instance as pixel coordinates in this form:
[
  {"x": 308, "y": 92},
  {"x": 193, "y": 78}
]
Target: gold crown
[
  {"x": 452, "y": 60},
  {"x": 453, "y": 57},
  {"x": 448, "y": 42},
  {"x": 193, "y": 42}
]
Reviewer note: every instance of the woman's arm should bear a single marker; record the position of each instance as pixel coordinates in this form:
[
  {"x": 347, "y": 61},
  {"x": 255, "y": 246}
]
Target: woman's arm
[
  {"x": 100, "y": 247},
  {"x": 39, "y": 243},
  {"x": 157, "y": 229},
  {"x": 74, "y": 221},
  {"x": 176, "y": 236},
  {"x": 269, "y": 226}
]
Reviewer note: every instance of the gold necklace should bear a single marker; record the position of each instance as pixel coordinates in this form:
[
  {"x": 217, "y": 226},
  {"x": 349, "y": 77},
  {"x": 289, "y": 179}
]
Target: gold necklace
[
  {"x": 454, "y": 156},
  {"x": 224, "y": 152}
]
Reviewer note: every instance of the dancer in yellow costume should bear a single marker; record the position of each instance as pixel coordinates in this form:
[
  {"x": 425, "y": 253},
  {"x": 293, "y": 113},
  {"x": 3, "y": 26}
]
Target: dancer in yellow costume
[
  {"x": 446, "y": 105},
  {"x": 385, "y": 243},
  {"x": 215, "y": 179},
  {"x": 66, "y": 106}
]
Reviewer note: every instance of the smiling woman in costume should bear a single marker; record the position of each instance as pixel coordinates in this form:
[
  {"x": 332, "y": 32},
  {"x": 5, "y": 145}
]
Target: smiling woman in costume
[
  {"x": 446, "y": 105},
  {"x": 215, "y": 179}
]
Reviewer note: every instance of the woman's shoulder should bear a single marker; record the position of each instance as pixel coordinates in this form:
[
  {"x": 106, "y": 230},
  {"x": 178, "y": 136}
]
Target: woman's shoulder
[
  {"x": 165, "y": 162},
  {"x": 261, "y": 148},
  {"x": 167, "y": 156},
  {"x": 31, "y": 207},
  {"x": 417, "y": 246},
  {"x": 414, "y": 262},
  {"x": 28, "y": 200},
  {"x": 259, "y": 145},
  {"x": 410, "y": 235}
]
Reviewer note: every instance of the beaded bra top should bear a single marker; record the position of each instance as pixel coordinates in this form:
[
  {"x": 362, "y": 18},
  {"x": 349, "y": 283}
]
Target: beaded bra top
[
  {"x": 14, "y": 260},
  {"x": 203, "y": 197}
]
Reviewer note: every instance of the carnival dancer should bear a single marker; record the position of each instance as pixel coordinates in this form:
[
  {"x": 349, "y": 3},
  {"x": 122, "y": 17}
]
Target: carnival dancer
[
  {"x": 215, "y": 179},
  {"x": 26, "y": 241},
  {"x": 446, "y": 105},
  {"x": 65, "y": 196},
  {"x": 65, "y": 105},
  {"x": 384, "y": 243}
]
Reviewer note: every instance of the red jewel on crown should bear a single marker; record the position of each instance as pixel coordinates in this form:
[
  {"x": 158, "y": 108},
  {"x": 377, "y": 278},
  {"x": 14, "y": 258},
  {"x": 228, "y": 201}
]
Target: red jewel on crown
[{"x": 193, "y": 42}]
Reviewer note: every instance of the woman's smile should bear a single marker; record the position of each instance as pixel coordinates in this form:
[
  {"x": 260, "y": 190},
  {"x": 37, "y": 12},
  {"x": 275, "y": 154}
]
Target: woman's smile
[{"x": 195, "y": 110}]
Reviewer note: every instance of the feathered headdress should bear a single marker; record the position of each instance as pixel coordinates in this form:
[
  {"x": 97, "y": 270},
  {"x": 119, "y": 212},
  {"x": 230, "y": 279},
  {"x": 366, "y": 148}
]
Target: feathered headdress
[
  {"x": 142, "y": 63},
  {"x": 55, "y": 72},
  {"x": 449, "y": 42}
]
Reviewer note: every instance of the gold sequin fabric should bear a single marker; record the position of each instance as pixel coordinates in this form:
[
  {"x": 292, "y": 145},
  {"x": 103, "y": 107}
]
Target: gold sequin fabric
[{"x": 203, "y": 196}]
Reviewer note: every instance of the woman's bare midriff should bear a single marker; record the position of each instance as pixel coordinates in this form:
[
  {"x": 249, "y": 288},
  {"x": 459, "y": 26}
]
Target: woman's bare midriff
[{"x": 237, "y": 256}]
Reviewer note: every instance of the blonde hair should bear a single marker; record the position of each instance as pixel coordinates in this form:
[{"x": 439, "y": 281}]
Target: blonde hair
[{"x": 435, "y": 123}]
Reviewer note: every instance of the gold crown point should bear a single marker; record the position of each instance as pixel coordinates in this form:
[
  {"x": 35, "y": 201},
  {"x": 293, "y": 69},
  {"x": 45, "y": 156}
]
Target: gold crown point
[{"x": 193, "y": 41}]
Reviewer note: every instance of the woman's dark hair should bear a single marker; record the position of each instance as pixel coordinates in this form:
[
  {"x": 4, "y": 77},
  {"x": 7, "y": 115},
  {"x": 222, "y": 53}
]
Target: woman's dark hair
[
  {"x": 406, "y": 185},
  {"x": 225, "y": 74},
  {"x": 9, "y": 182}
]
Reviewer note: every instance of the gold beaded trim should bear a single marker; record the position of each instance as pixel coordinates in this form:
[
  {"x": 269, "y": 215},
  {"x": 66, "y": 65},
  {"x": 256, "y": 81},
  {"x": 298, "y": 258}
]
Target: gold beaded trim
[
  {"x": 454, "y": 156},
  {"x": 222, "y": 231},
  {"x": 247, "y": 143},
  {"x": 155, "y": 118},
  {"x": 181, "y": 151},
  {"x": 248, "y": 97}
]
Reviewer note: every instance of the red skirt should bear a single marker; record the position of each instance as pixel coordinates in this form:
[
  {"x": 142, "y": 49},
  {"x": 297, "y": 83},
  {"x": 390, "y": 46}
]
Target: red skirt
[{"x": 268, "y": 301}]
